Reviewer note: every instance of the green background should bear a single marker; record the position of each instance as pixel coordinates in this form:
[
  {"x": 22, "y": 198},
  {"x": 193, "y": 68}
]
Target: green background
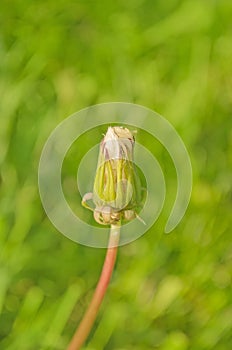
[{"x": 56, "y": 57}]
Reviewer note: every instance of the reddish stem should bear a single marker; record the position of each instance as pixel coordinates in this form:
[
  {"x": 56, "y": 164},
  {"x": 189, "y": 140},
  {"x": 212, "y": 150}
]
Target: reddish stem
[{"x": 86, "y": 324}]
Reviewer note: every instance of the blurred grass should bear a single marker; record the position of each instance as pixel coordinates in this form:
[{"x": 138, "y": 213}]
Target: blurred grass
[{"x": 168, "y": 292}]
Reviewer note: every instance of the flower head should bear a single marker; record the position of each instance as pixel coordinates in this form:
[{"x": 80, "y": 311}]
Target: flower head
[{"x": 117, "y": 190}]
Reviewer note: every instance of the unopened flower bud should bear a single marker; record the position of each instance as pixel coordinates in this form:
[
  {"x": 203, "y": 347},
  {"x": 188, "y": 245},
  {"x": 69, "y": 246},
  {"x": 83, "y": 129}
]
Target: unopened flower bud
[{"x": 116, "y": 185}]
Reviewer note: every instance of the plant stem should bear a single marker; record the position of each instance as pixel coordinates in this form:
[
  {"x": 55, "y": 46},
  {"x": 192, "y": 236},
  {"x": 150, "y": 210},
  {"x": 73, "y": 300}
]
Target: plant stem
[{"x": 86, "y": 324}]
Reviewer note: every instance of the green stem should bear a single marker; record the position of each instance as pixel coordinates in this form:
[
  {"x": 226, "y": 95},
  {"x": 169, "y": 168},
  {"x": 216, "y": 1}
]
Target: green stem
[{"x": 86, "y": 324}]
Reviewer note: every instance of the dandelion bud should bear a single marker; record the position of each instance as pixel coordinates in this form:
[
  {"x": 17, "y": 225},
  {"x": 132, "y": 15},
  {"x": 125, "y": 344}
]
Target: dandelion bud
[{"x": 117, "y": 190}]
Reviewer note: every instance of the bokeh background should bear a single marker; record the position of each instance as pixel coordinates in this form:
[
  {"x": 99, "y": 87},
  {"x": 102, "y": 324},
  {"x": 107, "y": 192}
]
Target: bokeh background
[{"x": 56, "y": 57}]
